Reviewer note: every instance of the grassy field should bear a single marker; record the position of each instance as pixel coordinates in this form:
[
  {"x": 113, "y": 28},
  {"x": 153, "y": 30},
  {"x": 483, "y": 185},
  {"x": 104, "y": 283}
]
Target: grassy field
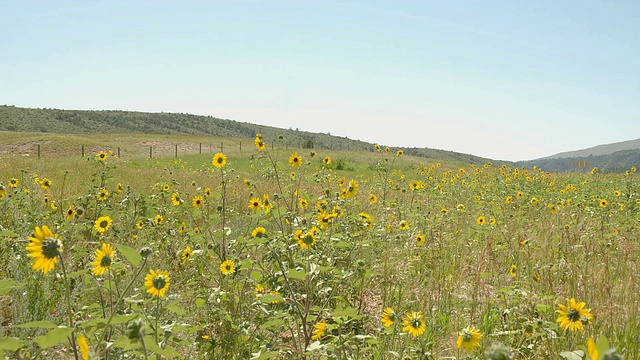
[{"x": 233, "y": 252}]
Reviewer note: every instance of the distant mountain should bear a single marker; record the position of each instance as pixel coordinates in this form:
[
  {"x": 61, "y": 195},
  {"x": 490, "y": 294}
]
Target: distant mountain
[
  {"x": 615, "y": 157},
  {"x": 116, "y": 121}
]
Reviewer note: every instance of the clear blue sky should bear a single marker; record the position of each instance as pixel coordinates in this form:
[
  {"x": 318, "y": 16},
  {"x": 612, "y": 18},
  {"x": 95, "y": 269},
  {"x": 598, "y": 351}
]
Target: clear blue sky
[{"x": 509, "y": 80}]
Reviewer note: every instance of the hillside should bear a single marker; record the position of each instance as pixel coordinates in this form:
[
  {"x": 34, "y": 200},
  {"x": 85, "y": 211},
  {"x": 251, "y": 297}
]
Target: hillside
[
  {"x": 604, "y": 149},
  {"x": 17, "y": 119}
]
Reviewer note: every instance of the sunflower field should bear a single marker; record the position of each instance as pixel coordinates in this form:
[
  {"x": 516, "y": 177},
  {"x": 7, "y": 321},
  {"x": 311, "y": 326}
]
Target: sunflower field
[{"x": 281, "y": 254}]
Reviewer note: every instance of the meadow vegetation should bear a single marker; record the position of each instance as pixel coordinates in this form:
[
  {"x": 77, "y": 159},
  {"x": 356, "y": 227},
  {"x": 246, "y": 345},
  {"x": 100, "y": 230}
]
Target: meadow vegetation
[{"x": 284, "y": 253}]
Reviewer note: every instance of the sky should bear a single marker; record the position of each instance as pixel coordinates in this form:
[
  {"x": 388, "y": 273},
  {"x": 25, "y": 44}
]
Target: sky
[{"x": 502, "y": 79}]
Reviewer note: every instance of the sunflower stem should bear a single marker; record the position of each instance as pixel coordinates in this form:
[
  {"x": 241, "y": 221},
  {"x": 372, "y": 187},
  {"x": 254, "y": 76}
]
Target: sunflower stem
[{"x": 68, "y": 300}]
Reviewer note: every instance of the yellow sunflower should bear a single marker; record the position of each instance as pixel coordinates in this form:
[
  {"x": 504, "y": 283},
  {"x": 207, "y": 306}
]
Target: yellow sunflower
[
  {"x": 71, "y": 211},
  {"x": 319, "y": 330},
  {"x": 219, "y": 160},
  {"x": 175, "y": 199},
  {"x": 413, "y": 323},
  {"x": 157, "y": 282},
  {"x": 102, "y": 156},
  {"x": 573, "y": 316},
  {"x": 186, "y": 255},
  {"x": 228, "y": 267},
  {"x": 158, "y": 219},
  {"x": 259, "y": 232},
  {"x": 388, "y": 317},
  {"x": 255, "y": 204},
  {"x": 326, "y": 160},
  {"x": 469, "y": 339},
  {"x": 197, "y": 201},
  {"x": 103, "y": 259},
  {"x": 295, "y": 160},
  {"x": 102, "y": 224},
  {"x": 481, "y": 220},
  {"x": 44, "y": 247},
  {"x": 419, "y": 239},
  {"x": 14, "y": 183}
]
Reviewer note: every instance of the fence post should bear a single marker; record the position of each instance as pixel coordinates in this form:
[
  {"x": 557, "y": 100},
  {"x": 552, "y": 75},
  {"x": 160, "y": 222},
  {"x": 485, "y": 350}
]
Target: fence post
[
  {"x": 38, "y": 151},
  {"x": 176, "y": 150},
  {"x": 221, "y": 147},
  {"x": 240, "y": 146},
  {"x": 150, "y": 151},
  {"x": 118, "y": 151},
  {"x": 200, "y": 148},
  {"x": 82, "y": 150}
]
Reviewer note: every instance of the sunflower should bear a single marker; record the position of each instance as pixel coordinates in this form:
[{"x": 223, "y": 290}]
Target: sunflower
[
  {"x": 404, "y": 225},
  {"x": 399, "y": 153},
  {"x": 45, "y": 183},
  {"x": 326, "y": 160},
  {"x": 260, "y": 145},
  {"x": 157, "y": 282},
  {"x": 208, "y": 192},
  {"x": 367, "y": 220},
  {"x": 103, "y": 259},
  {"x": 83, "y": 347},
  {"x": 71, "y": 211},
  {"x": 102, "y": 156},
  {"x": 617, "y": 193},
  {"x": 158, "y": 219},
  {"x": 175, "y": 199},
  {"x": 481, "y": 220},
  {"x": 573, "y": 316},
  {"x": 44, "y": 247},
  {"x": 228, "y": 267},
  {"x": 512, "y": 270},
  {"x": 119, "y": 187},
  {"x": 419, "y": 239},
  {"x": 140, "y": 224},
  {"x": 603, "y": 203},
  {"x": 219, "y": 160},
  {"x": 307, "y": 240},
  {"x": 186, "y": 255},
  {"x": 197, "y": 201},
  {"x": 166, "y": 187},
  {"x": 519, "y": 194},
  {"x": 255, "y": 204},
  {"x": 303, "y": 203},
  {"x": 103, "y": 194},
  {"x": 373, "y": 199},
  {"x": 102, "y": 224},
  {"x": 469, "y": 339},
  {"x": 319, "y": 330},
  {"x": 413, "y": 323},
  {"x": 266, "y": 204},
  {"x": 508, "y": 199},
  {"x": 295, "y": 160},
  {"x": 292, "y": 175},
  {"x": 388, "y": 317},
  {"x": 13, "y": 183},
  {"x": 259, "y": 232},
  {"x": 492, "y": 222}
]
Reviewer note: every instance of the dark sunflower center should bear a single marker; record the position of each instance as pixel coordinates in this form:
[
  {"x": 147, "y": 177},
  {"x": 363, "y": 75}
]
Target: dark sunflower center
[
  {"x": 159, "y": 282},
  {"x": 573, "y": 315},
  {"x": 105, "y": 261},
  {"x": 415, "y": 323},
  {"x": 220, "y": 160},
  {"x": 308, "y": 239},
  {"x": 466, "y": 336},
  {"x": 51, "y": 248},
  {"x": 104, "y": 224},
  {"x": 227, "y": 267},
  {"x": 70, "y": 212}
]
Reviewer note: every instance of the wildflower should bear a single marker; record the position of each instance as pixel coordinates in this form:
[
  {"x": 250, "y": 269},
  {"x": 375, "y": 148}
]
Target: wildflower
[
  {"x": 45, "y": 183},
  {"x": 469, "y": 339},
  {"x": 140, "y": 224},
  {"x": 492, "y": 221},
  {"x": 259, "y": 232},
  {"x": 481, "y": 220},
  {"x": 413, "y": 323},
  {"x": 157, "y": 282},
  {"x": 175, "y": 199},
  {"x": 158, "y": 219},
  {"x": 259, "y": 143},
  {"x": 186, "y": 255},
  {"x": 404, "y": 225},
  {"x": 617, "y": 193},
  {"x": 326, "y": 160},
  {"x": 573, "y": 316},
  {"x": 219, "y": 160},
  {"x": 367, "y": 220},
  {"x": 102, "y": 224},
  {"x": 13, "y": 183},
  {"x": 71, "y": 211},
  {"x": 419, "y": 239},
  {"x": 388, "y": 317},
  {"x": 399, "y": 153},
  {"x": 512, "y": 270},
  {"x": 208, "y": 192},
  {"x": 228, "y": 267},
  {"x": 102, "y": 156},
  {"x": 103, "y": 194},
  {"x": 319, "y": 330},
  {"x": 603, "y": 203},
  {"x": 83, "y": 347},
  {"x": 295, "y": 160},
  {"x": 255, "y": 204},
  {"x": 373, "y": 199},
  {"x": 119, "y": 187},
  {"x": 306, "y": 240},
  {"x": 304, "y": 203},
  {"x": 166, "y": 187},
  {"x": 44, "y": 247},
  {"x": 103, "y": 258},
  {"x": 197, "y": 201},
  {"x": 266, "y": 204}
]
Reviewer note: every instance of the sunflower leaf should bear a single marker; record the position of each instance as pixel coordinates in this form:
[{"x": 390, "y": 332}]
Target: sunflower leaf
[
  {"x": 7, "y": 285},
  {"x": 53, "y": 337},
  {"x": 10, "y": 343},
  {"x": 572, "y": 355},
  {"x": 130, "y": 254}
]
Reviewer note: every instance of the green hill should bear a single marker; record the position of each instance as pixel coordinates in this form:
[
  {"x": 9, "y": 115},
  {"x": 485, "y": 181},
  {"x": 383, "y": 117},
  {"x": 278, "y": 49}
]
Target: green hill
[{"x": 33, "y": 120}]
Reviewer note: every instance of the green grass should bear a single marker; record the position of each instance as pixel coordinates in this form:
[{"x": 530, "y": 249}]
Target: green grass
[{"x": 549, "y": 227}]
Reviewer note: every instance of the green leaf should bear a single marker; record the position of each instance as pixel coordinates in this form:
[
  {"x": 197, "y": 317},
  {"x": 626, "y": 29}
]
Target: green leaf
[
  {"x": 11, "y": 344},
  {"x": 346, "y": 312},
  {"x": 53, "y": 337},
  {"x": 8, "y": 233},
  {"x": 200, "y": 302},
  {"x": 6, "y": 285},
  {"x": 175, "y": 309},
  {"x": 151, "y": 345},
  {"x": 294, "y": 274},
  {"x": 343, "y": 245},
  {"x": 572, "y": 355},
  {"x": 271, "y": 298},
  {"x": 130, "y": 254},
  {"x": 316, "y": 345},
  {"x": 38, "y": 324}
]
